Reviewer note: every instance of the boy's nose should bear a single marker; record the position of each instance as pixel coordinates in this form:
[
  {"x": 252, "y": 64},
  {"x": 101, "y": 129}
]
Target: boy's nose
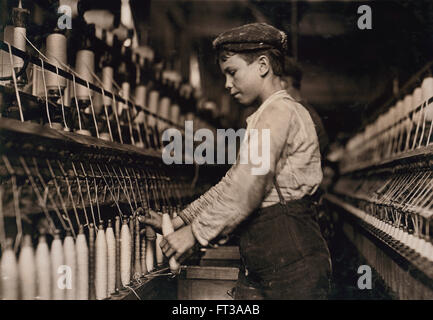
[{"x": 229, "y": 83}]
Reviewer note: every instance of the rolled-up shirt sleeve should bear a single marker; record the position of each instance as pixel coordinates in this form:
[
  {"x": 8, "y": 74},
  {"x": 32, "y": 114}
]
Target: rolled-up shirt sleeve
[
  {"x": 204, "y": 201},
  {"x": 243, "y": 188}
]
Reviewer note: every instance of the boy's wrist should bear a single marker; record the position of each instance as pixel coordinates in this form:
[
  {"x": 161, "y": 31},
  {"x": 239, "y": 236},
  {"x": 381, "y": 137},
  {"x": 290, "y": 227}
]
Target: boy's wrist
[
  {"x": 177, "y": 222},
  {"x": 197, "y": 236}
]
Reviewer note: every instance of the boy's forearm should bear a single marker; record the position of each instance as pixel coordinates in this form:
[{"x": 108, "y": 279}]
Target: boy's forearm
[
  {"x": 177, "y": 223},
  {"x": 194, "y": 208}
]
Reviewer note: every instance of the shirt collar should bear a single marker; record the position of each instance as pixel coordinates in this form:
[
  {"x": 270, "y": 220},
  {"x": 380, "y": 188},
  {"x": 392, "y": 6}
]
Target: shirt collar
[{"x": 265, "y": 104}]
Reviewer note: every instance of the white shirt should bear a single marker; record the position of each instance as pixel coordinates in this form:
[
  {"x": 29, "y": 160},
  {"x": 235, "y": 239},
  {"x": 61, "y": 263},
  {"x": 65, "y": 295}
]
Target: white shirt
[{"x": 294, "y": 158}]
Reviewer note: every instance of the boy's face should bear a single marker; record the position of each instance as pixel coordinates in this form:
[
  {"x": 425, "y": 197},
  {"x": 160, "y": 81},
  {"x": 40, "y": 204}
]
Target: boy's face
[{"x": 242, "y": 79}]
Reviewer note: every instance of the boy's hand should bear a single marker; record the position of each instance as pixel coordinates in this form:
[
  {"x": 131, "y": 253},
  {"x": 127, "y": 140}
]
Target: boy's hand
[
  {"x": 152, "y": 218},
  {"x": 178, "y": 242}
]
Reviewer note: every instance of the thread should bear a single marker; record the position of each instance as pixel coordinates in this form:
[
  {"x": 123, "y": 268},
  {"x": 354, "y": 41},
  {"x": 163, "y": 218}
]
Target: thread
[
  {"x": 140, "y": 96},
  {"x": 126, "y": 89},
  {"x": 413, "y": 100},
  {"x": 15, "y": 83},
  {"x": 107, "y": 82},
  {"x": 43, "y": 269},
  {"x": 19, "y": 43},
  {"x": 6, "y": 70},
  {"x": 85, "y": 66},
  {"x": 70, "y": 255},
  {"x": 111, "y": 252},
  {"x": 101, "y": 266},
  {"x": 57, "y": 56},
  {"x": 140, "y": 118},
  {"x": 2, "y": 224},
  {"x": 67, "y": 98},
  {"x": 150, "y": 248},
  {"x": 164, "y": 112},
  {"x": 167, "y": 228},
  {"x": 153, "y": 106},
  {"x": 118, "y": 245},
  {"x": 143, "y": 256},
  {"x": 140, "y": 143},
  {"x": 175, "y": 114},
  {"x": 116, "y": 117},
  {"x": 35, "y": 79},
  {"x": 92, "y": 109},
  {"x": 125, "y": 254},
  {"x": 105, "y": 135},
  {"x": 92, "y": 293},
  {"x": 109, "y": 38},
  {"x": 57, "y": 261},
  {"x": 9, "y": 273},
  {"x": 27, "y": 270},
  {"x": 128, "y": 115},
  {"x": 417, "y": 117},
  {"x": 82, "y": 266},
  {"x": 408, "y": 123},
  {"x": 159, "y": 254},
  {"x": 427, "y": 93},
  {"x": 98, "y": 103},
  {"x": 137, "y": 265},
  {"x": 134, "y": 196},
  {"x": 132, "y": 232},
  {"x": 98, "y": 30}
]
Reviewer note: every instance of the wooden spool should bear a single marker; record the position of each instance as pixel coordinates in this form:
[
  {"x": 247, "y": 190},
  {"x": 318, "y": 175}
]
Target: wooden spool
[
  {"x": 118, "y": 245},
  {"x": 111, "y": 251},
  {"x": 82, "y": 265},
  {"x": 43, "y": 269},
  {"x": 27, "y": 270},
  {"x": 101, "y": 265},
  {"x": 69, "y": 252},
  {"x": 125, "y": 254},
  {"x": 9, "y": 273}
]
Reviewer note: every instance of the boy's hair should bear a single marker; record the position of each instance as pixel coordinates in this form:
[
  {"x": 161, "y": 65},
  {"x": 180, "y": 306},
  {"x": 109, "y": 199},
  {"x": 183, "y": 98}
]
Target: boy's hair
[
  {"x": 292, "y": 70},
  {"x": 275, "y": 57}
]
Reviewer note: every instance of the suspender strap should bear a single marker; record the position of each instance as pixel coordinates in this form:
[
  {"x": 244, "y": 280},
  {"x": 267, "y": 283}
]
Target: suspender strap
[
  {"x": 280, "y": 195},
  {"x": 284, "y": 202}
]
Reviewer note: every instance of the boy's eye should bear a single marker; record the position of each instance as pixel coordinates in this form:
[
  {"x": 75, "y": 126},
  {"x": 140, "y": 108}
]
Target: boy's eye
[{"x": 232, "y": 72}]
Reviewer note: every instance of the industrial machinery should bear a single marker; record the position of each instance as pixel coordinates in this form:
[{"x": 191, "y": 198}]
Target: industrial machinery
[
  {"x": 82, "y": 117},
  {"x": 383, "y": 194}
]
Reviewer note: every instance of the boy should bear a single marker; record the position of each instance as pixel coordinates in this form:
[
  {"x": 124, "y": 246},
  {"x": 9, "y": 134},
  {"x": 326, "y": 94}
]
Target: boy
[{"x": 283, "y": 253}]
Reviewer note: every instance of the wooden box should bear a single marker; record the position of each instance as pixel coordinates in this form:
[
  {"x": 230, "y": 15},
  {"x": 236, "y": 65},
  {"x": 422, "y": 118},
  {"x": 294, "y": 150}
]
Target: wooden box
[
  {"x": 206, "y": 282},
  {"x": 224, "y": 256}
]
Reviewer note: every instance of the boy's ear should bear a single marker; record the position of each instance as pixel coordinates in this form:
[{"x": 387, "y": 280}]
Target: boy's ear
[{"x": 264, "y": 65}]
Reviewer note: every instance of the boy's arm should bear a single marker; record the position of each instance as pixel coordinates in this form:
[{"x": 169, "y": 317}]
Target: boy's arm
[
  {"x": 177, "y": 222},
  {"x": 188, "y": 214}
]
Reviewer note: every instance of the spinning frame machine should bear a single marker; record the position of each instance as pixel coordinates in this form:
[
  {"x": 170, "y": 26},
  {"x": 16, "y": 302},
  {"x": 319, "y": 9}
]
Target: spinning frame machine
[
  {"x": 78, "y": 160},
  {"x": 384, "y": 193}
]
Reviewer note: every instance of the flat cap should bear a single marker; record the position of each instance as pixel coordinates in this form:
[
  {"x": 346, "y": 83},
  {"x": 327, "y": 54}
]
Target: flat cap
[{"x": 249, "y": 37}]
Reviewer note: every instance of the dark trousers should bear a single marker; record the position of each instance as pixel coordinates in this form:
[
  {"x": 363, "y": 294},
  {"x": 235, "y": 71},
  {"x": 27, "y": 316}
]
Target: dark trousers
[{"x": 284, "y": 254}]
